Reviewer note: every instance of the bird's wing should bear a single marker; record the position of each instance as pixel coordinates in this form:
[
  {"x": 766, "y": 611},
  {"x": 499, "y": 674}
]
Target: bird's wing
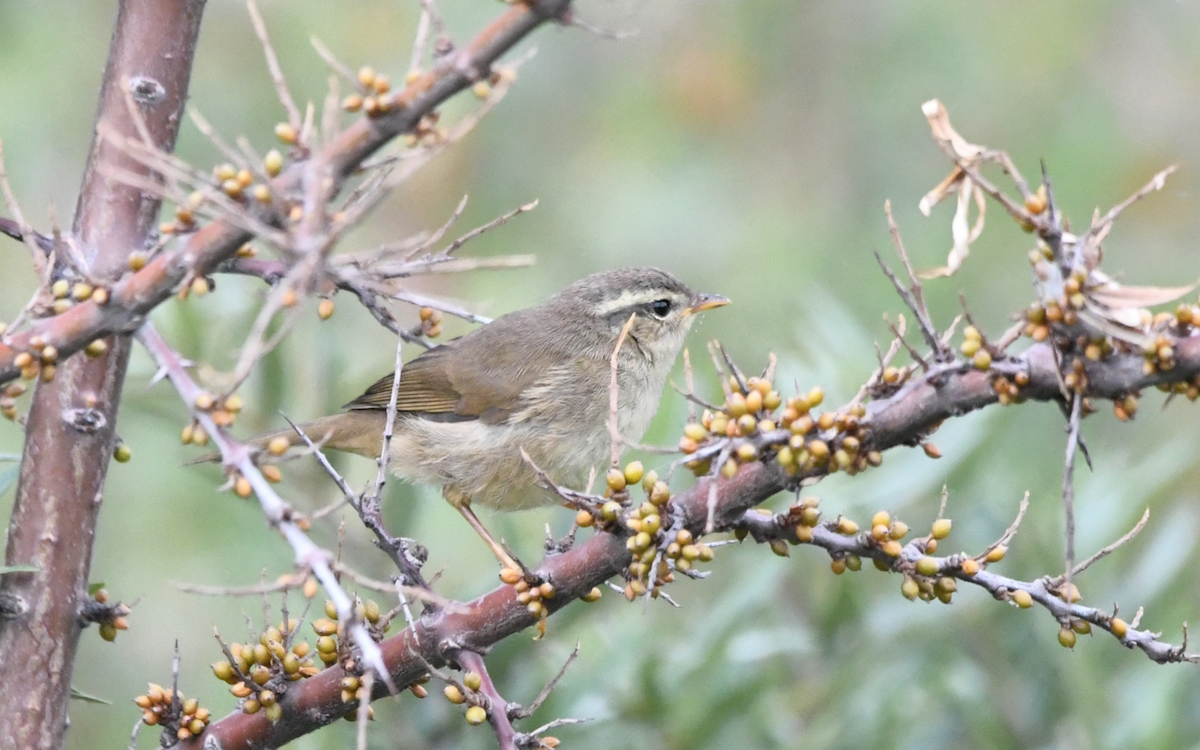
[
  {"x": 468, "y": 378},
  {"x": 424, "y": 388}
]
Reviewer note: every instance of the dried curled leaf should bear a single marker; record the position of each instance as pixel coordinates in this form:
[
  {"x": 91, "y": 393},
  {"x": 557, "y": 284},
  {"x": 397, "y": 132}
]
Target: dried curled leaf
[
  {"x": 961, "y": 229},
  {"x": 1118, "y": 297},
  {"x": 959, "y": 182},
  {"x": 944, "y": 188},
  {"x": 939, "y": 123}
]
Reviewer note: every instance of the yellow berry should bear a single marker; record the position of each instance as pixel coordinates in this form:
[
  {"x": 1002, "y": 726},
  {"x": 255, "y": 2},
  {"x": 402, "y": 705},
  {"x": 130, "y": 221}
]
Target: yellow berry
[
  {"x": 476, "y": 715},
  {"x": 273, "y": 162},
  {"x": 1119, "y": 627},
  {"x": 278, "y": 445},
  {"x": 754, "y": 402},
  {"x": 927, "y": 566},
  {"x": 941, "y": 528},
  {"x": 633, "y": 472},
  {"x": 285, "y": 133},
  {"x": 615, "y": 479},
  {"x": 1022, "y": 598}
]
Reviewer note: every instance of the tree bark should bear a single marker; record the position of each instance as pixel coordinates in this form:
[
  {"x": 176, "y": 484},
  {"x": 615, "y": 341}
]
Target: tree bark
[{"x": 70, "y": 432}]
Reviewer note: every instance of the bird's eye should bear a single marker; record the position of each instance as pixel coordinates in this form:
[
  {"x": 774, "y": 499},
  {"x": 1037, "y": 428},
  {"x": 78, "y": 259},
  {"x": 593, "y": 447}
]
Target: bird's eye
[{"x": 660, "y": 307}]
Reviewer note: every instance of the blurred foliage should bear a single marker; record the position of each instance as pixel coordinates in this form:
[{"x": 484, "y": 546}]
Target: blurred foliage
[{"x": 749, "y": 148}]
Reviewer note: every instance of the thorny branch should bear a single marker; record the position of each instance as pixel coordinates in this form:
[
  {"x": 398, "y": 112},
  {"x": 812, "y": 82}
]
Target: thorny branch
[
  {"x": 1059, "y": 598},
  {"x": 124, "y": 305},
  {"x": 308, "y": 555},
  {"x": 902, "y": 411}
]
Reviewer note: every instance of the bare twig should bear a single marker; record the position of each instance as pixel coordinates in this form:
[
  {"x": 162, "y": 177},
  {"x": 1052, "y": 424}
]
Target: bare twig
[
  {"x": 1068, "y": 482},
  {"x": 1101, "y": 226},
  {"x": 281, "y": 87},
  {"x": 385, "y": 452},
  {"x": 1011, "y": 531},
  {"x": 527, "y": 711},
  {"x": 572, "y": 498},
  {"x": 1109, "y": 549},
  {"x": 27, "y": 235},
  {"x": 278, "y": 512},
  {"x": 912, "y": 295},
  {"x": 614, "y": 427}
]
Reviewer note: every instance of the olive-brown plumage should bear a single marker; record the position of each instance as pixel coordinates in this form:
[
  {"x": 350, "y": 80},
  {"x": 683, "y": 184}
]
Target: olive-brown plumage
[{"x": 536, "y": 379}]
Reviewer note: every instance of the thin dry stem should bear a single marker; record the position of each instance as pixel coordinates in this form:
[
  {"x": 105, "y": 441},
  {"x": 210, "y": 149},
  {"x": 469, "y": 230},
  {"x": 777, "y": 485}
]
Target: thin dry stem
[
  {"x": 1011, "y": 531},
  {"x": 329, "y": 57},
  {"x": 10, "y": 201},
  {"x": 1106, "y": 551},
  {"x": 614, "y": 428},
  {"x": 1068, "y": 483},
  {"x": 278, "y": 512},
  {"x": 277, "y": 77}
]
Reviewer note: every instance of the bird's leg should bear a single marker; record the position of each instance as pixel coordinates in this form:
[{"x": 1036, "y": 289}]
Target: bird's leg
[{"x": 462, "y": 503}]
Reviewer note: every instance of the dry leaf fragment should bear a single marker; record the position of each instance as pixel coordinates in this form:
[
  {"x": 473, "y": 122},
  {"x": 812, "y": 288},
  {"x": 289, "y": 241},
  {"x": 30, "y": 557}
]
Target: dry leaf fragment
[
  {"x": 1118, "y": 297},
  {"x": 943, "y": 190},
  {"x": 961, "y": 230},
  {"x": 939, "y": 123}
]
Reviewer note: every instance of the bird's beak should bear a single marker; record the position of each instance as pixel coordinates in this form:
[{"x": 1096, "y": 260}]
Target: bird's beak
[{"x": 702, "y": 302}]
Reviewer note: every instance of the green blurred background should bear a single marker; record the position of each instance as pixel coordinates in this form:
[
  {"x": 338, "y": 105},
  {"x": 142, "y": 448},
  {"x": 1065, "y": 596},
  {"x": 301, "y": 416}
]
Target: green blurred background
[{"x": 749, "y": 148}]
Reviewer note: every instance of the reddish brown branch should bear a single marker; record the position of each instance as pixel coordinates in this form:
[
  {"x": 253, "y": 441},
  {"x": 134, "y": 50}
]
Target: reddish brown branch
[
  {"x": 947, "y": 390},
  {"x": 485, "y": 621}
]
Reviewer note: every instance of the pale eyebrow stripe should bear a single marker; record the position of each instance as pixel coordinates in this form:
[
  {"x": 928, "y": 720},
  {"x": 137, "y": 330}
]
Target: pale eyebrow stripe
[{"x": 630, "y": 299}]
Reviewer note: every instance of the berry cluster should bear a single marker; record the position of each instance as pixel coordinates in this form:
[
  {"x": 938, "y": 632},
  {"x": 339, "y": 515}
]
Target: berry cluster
[
  {"x": 258, "y": 673},
  {"x": 164, "y": 707},
  {"x": 109, "y": 616},
  {"x": 755, "y": 420}
]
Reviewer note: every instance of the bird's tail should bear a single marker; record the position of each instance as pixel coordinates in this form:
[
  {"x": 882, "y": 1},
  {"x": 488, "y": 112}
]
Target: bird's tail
[{"x": 357, "y": 431}]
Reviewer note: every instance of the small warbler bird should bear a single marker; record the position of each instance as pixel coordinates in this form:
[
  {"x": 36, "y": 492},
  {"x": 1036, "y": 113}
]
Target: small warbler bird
[{"x": 536, "y": 379}]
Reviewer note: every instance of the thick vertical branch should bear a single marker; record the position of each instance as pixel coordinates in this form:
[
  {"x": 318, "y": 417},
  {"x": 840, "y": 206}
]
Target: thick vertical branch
[{"x": 70, "y": 436}]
